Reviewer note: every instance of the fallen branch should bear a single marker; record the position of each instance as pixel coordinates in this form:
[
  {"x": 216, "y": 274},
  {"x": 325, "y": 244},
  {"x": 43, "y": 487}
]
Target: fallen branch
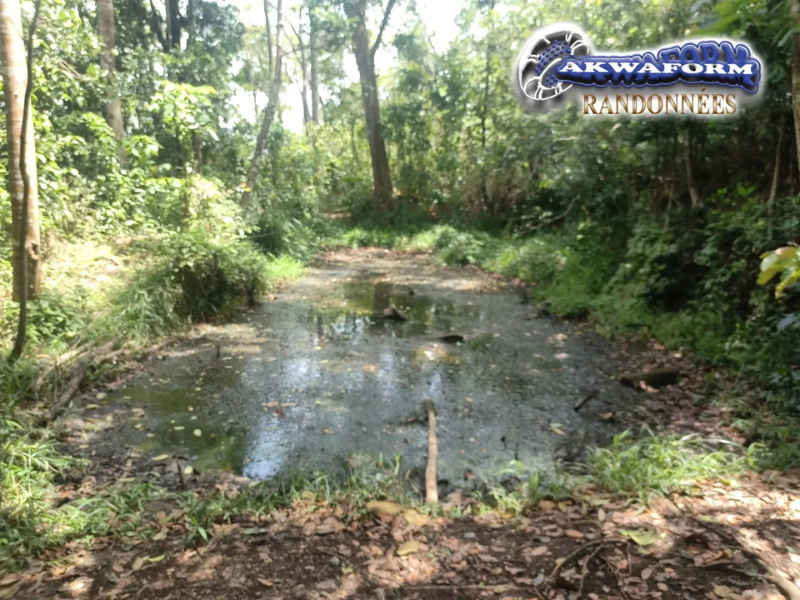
[
  {"x": 58, "y": 362},
  {"x": 431, "y": 478},
  {"x": 786, "y": 586},
  {"x": 578, "y": 552},
  {"x": 72, "y": 388}
]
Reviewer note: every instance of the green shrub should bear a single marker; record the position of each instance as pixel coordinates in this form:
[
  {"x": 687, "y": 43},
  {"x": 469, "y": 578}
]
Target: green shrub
[
  {"x": 454, "y": 247},
  {"x": 195, "y": 277}
]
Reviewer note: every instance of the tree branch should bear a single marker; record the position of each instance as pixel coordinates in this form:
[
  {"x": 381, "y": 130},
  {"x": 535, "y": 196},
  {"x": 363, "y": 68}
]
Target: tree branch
[{"x": 386, "y": 14}]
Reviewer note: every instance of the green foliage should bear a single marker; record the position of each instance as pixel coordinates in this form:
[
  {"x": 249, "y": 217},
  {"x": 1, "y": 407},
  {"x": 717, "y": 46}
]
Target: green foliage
[
  {"x": 201, "y": 276},
  {"x": 661, "y": 465},
  {"x": 785, "y": 261}
]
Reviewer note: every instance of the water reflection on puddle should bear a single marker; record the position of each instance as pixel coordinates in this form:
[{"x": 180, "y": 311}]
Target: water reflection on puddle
[{"x": 319, "y": 375}]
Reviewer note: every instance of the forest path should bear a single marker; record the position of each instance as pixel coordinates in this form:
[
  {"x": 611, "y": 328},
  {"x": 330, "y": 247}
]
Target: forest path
[
  {"x": 309, "y": 373},
  {"x": 317, "y": 375}
]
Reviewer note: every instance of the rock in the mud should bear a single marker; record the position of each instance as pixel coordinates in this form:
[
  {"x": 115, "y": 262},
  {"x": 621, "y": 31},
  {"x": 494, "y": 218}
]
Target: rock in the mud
[
  {"x": 393, "y": 314},
  {"x": 657, "y": 378}
]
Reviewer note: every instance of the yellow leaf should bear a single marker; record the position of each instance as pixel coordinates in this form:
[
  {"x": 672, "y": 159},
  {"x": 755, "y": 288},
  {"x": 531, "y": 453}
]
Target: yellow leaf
[
  {"x": 384, "y": 508},
  {"x": 409, "y": 547}
]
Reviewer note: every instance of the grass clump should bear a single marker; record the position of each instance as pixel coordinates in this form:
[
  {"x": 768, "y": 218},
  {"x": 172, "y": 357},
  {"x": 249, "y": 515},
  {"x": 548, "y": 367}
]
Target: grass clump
[{"x": 661, "y": 465}]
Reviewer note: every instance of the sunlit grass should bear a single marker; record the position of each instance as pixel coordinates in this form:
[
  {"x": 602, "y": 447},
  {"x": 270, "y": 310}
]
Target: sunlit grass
[
  {"x": 662, "y": 465},
  {"x": 284, "y": 267}
]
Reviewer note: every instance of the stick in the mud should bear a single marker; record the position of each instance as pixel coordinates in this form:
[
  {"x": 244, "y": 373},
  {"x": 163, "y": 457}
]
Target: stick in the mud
[
  {"x": 584, "y": 400},
  {"x": 431, "y": 489}
]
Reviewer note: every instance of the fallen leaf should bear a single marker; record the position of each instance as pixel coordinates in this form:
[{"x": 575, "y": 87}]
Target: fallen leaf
[
  {"x": 384, "y": 508},
  {"x": 646, "y": 573},
  {"x": 137, "y": 564},
  {"x": 197, "y": 433},
  {"x": 556, "y": 428},
  {"x": 540, "y": 551},
  {"x": 723, "y": 591},
  {"x": 574, "y": 533},
  {"x": 265, "y": 582},
  {"x": 642, "y": 538},
  {"x": 414, "y": 518},
  {"x": 160, "y": 457},
  {"x": 409, "y": 547}
]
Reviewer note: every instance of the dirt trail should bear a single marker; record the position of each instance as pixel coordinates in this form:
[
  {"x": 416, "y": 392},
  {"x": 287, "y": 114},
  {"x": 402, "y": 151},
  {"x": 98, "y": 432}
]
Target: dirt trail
[{"x": 318, "y": 376}]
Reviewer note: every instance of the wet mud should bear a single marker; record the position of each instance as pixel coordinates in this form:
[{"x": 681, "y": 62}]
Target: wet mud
[{"x": 318, "y": 377}]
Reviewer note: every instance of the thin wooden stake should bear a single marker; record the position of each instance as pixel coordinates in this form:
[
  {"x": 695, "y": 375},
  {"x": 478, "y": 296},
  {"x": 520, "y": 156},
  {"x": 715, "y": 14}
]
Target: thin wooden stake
[{"x": 431, "y": 488}]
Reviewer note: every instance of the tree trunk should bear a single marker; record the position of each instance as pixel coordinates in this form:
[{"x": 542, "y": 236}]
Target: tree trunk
[
  {"x": 694, "y": 195},
  {"x": 313, "y": 46},
  {"x": 383, "y": 192},
  {"x": 304, "y": 72},
  {"x": 24, "y": 211},
  {"x": 485, "y": 109},
  {"x": 794, "y": 6},
  {"x": 269, "y": 111},
  {"x": 105, "y": 29},
  {"x": 175, "y": 22}
]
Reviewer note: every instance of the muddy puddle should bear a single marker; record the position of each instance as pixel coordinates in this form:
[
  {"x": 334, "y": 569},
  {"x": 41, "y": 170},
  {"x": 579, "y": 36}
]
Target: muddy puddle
[{"x": 318, "y": 376}]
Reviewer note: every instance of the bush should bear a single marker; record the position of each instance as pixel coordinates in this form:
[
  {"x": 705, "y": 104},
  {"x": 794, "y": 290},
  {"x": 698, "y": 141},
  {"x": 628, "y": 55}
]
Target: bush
[
  {"x": 197, "y": 277},
  {"x": 454, "y": 247}
]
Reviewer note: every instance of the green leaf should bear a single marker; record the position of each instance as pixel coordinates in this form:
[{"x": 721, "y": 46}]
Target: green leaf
[{"x": 641, "y": 537}]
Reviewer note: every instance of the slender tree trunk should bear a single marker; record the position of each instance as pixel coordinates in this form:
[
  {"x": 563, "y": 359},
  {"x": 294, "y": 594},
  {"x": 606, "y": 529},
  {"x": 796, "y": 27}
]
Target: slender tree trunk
[
  {"x": 383, "y": 192},
  {"x": 270, "y": 60},
  {"x": 313, "y": 46},
  {"x": 485, "y": 108},
  {"x": 794, "y": 6},
  {"x": 22, "y": 183},
  {"x": 269, "y": 110},
  {"x": 694, "y": 195},
  {"x": 773, "y": 192},
  {"x": 155, "y": 25},
  {"x": 191, "y": 18},
  {"x": 105, "y": 29},
  {"x": 304, "y": 72}
]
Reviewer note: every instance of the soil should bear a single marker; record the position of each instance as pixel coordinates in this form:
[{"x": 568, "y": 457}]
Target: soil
[{"x": 731, "y": 540}]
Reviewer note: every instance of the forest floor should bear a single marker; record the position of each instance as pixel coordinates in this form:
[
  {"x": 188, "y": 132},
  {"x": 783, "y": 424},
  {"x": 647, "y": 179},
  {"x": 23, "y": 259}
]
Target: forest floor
[{"x": 736, "y": 537}]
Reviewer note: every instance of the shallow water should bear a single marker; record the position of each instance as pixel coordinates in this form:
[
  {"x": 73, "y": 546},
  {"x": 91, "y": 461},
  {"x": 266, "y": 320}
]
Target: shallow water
[{"x": 318, "y": 376}]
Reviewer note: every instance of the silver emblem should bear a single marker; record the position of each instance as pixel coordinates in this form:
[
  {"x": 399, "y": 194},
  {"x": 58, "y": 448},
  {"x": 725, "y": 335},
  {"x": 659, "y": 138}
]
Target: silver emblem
[{"x": 535, "y": 84}]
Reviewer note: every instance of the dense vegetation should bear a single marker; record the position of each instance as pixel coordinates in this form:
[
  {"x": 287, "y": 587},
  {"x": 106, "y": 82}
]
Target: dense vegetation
[{"x": 161, "y": 205}]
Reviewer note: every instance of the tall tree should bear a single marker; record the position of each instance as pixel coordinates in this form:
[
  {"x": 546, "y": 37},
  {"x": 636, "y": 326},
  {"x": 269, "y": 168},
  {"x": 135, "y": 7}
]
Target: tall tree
[
  {"x": 795, "y": 11},
  {"x": 22, "y": 185},
  {"x": 272, "y": 105},
  {"x": 105, "y": 28},
  {"x": 313, "y": 50},
  {"x": 383, "y": 192}
]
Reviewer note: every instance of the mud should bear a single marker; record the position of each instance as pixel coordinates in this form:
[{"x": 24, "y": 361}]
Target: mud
[{"x": 317, "y": 376}]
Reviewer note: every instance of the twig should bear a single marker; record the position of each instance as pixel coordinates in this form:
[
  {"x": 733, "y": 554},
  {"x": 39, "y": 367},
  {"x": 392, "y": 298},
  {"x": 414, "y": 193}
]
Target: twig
[
  {"x": 585, "y": 571},
  {"x": 620, "y": 583},
  {"x": 575, "y": 554},
  {"x": 585, "y": 399}
]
